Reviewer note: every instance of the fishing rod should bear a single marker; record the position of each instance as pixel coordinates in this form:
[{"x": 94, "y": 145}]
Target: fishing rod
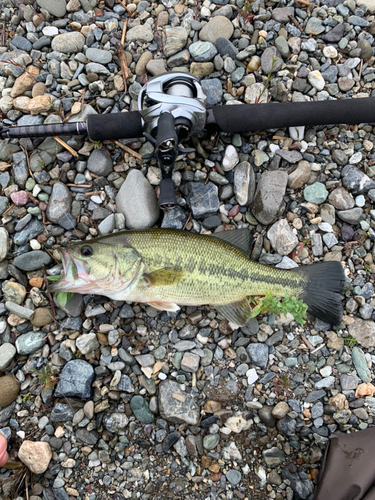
[{"x": 172, "y": 108}]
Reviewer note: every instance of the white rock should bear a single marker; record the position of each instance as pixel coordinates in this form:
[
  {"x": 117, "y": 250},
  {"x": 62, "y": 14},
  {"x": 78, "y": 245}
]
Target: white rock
[
  {"x": 238, "y": 424},
  {"x": 326, "y": 371},
  {"x": 360, "y": 201},
  {"x": 231, "y": 452},
  {"x": 4, "y": 243},
  {"x": 50, "y": 31},
  {"x": 251, "y": 375},
  {"x": 297, "y": 133},
  {"x": 35, "y": 245},
  {"x": 356, "y": 158},
  {"x": 230, "y": 158},
  {"x": 316, "y": 80},
  {"x": 330, "y": 51}
]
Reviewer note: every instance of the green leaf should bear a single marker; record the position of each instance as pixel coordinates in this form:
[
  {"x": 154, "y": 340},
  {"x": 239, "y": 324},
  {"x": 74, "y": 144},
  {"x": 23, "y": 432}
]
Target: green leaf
[
  {"x": 64, "y": 297},
  {"x": 53, "y": 278}
]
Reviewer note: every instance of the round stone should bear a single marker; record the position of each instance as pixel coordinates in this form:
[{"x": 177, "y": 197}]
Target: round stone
[
  {"x": 233, "y": 476},
  {"x": 211, "y": 441},
  {"x": 330, "y": 52}
]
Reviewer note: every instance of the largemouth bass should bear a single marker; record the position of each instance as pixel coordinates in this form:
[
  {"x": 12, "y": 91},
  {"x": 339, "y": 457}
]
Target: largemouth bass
[{"x": 166, "y": 268}]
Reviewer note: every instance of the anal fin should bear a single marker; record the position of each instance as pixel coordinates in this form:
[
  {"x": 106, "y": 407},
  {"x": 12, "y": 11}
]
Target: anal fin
[
  {"x": 237, "y": 312},
  {"x": 164, "y": 306}
]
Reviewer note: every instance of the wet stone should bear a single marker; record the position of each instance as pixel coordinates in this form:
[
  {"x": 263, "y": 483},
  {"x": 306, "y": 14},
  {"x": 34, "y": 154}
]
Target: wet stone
[
  {"x": 76, "y": 380},
  {"x": 203, "y": 199},
  {"x": 175, "y": 405},
  {"x": 273, "y": 457},
  {"x": 141, "y": 410},
  {"x": 30, "y": 342},
  {"x": 258, "y": 354},
  {"x": 116, "y": 422},
  {"x": 62, "y": 413},
  {"x": 233, "y": 476}
]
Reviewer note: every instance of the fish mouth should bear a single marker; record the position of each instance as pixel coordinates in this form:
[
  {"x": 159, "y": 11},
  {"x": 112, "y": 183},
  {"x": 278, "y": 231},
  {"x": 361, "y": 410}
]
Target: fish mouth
[{"x": 73, "y": 275}]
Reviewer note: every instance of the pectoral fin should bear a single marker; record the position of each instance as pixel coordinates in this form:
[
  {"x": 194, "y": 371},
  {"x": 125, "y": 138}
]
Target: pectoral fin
[
  {"x": 164, "y": 306},
  {"x": 236, "y": 312},
  {"x": 164, "y": 277}
]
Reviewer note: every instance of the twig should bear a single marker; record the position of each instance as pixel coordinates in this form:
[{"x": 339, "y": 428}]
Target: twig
[
  {"x": 128, "y": 150},
  {"x": 120, "y": 53},
  {"x": 8, "y": 209},
  {"x": 187, "y": 221},
  {"x": 27, "y": 488},
  {"x": 66, "y": 146},
  {"x": 295, "y": 22},
  {"x": 92, "y": 193},
  {"x": 80, "y": 185},
  {"x": 305, "y": 2},
  {"x": 49, "y": 296},
  {"x": 51, "y": 255},
  {"x": 317, "y": 349},
  {"x": 124, "y": 32},
  {"x": 307, "y": 343},
  {"x": 4, "y": 166},
  {"x": 27, "y": 161}
]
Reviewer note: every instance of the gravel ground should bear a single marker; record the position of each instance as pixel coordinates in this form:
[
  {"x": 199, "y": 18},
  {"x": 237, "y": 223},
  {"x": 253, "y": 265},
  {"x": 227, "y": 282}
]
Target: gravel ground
[{"x": 116, "y": 400}]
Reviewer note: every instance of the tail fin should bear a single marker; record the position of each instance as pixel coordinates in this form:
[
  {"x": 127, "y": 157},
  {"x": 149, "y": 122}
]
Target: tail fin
[{"x": 323, "y": 285}]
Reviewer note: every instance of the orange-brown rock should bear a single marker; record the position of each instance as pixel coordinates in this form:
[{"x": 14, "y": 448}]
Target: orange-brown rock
[
  {"x": 24, "y": 82},
  {"x": 35, "y": 455},
  {"x": 39, "y": 104},
  {"x": 365, "y": 390}
]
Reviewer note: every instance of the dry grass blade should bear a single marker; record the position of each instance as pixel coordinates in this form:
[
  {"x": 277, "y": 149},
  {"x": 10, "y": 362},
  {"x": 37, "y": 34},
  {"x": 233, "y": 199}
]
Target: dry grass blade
[
  {"x": 120, "y": 53},
  {"x": 124, "y": 32},
  {"x": 66, "y": 146},
  {"x": 128, "y": 150}
]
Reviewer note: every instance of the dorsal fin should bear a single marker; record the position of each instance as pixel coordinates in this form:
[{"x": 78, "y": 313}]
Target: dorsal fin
[{"x": 240, "y": 238}]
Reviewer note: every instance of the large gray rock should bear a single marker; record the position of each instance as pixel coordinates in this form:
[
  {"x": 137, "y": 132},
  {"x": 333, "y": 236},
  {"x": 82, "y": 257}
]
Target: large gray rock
[
  {"x": 59, "y": 203},
  {"x": 176, "y": 405},
  {"x": 56, "y": 8},
  {"x": 99, "y": 56},
  {"x": 100, "y": 162},
  {"x": 76, "y": 380},
  {"x": 71, "y": 42},
  {"x": 31, "y": 261},
  {"x": 216, "y": 27},
  {"x": 176, "y": 40},
  {"x": 269, "y": 197},
  {"x": 137, "y": 201},
  {"x": 363, "y": 331},
  {"x": 142, "y": 34}
]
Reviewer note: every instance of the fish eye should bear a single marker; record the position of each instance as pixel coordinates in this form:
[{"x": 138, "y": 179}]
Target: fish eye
[{"x": 87, "y": 251}]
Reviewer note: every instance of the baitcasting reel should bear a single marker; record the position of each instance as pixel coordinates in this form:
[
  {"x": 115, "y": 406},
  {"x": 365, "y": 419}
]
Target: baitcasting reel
[{"x": 173, "y": 107}]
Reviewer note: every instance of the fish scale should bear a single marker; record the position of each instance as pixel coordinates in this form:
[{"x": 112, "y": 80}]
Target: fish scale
[{"x": 216, "y": 272}]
